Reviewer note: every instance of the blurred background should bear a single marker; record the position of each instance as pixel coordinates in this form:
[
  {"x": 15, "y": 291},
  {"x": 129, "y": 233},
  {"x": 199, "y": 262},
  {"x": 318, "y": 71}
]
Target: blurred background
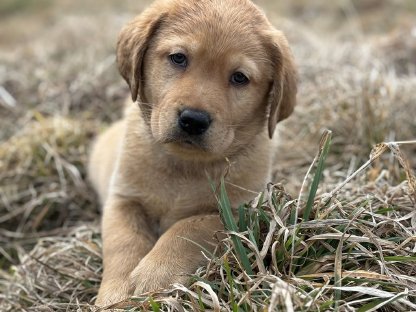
[{"x": 58, "y": 56}]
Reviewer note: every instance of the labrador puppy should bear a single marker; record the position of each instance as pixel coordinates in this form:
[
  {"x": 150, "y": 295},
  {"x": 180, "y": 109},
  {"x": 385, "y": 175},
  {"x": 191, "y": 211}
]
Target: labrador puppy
[{"x": 209, "y": 79}]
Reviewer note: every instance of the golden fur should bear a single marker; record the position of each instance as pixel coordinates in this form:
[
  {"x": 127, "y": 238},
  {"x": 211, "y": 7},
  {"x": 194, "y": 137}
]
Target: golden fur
[{"x": 153, "y": 183}]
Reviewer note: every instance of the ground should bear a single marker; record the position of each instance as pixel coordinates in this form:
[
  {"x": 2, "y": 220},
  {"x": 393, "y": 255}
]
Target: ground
[{"x": 318, "y": 241}]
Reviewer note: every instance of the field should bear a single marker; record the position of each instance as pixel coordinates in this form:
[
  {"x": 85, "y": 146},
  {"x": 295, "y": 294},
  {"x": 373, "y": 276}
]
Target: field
[{"x": 337, "y": 230}]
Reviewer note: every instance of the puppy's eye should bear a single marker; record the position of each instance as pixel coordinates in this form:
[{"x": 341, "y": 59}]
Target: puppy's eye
[
  {"x": 179, "y": 59},
  {"x": 239, "y": 79}
]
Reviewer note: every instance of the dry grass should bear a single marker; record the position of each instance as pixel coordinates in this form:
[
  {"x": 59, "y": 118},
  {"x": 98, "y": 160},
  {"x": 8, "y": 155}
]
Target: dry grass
[{"x": 356, "y": 251}]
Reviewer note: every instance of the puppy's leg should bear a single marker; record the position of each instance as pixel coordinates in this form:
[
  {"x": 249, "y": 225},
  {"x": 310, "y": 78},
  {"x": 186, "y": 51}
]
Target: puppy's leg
[
  {"x": 176, "y": 253},
  {"x": 127, "y": 238}
]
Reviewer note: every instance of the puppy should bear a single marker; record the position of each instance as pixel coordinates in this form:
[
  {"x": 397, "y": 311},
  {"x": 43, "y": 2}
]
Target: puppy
[{"x": 209, "y": 80}]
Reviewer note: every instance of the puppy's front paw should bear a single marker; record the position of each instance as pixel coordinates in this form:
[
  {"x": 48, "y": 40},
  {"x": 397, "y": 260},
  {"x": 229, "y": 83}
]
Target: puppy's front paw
[
  {"x": 156, "y": 275},
  {"x": 112, "y": 291}
]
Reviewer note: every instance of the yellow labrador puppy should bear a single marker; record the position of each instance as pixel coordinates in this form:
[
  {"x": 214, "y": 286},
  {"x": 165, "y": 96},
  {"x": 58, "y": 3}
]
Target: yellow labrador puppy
[{"x": 210, "y": 79}]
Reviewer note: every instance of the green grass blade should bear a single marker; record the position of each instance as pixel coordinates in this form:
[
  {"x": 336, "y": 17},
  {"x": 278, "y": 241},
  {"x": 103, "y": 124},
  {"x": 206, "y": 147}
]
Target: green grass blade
[
  {"x": 377, "y": 304},
  {"x": 230, "y": 225},
  {"x": 371, "y": 305},
  {"x": 326, "y": 143},
  {"x": 231, "y": 284},
  {"x": 155, "y": 306},
  {"x": 400, "y": 258},
  {"x": 200, "y": 301},
  {"x": 226, "y": 210},
  {"x": 252, "y": 237}
]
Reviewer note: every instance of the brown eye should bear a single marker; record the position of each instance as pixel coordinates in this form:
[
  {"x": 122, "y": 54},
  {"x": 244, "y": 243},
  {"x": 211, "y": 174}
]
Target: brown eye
[
  {"x": 179, "y": 59},
  {"x": 239, "y": 79}
]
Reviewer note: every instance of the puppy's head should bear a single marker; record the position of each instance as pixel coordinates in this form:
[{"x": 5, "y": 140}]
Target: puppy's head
[{"x": 209, "y": 75}]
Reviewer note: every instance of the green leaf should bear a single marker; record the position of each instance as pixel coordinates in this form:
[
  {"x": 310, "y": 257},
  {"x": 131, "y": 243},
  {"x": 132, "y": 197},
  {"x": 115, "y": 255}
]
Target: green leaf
[{"x": 400, "y": 258}]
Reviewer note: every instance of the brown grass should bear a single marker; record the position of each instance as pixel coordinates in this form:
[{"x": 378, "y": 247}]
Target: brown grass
[{"x": 59, "y": 87}]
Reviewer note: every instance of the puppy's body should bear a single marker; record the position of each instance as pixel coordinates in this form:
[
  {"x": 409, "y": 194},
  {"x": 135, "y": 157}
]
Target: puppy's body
[
  {"x": 208, "y": 81},
  {"x": 168, "y": 188}
]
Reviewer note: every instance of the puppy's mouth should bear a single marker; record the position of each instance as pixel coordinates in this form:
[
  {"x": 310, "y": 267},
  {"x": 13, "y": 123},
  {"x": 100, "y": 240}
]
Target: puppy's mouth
[
  {"x": 186, "y": 142},
  {"x": 205, "y": 147}
]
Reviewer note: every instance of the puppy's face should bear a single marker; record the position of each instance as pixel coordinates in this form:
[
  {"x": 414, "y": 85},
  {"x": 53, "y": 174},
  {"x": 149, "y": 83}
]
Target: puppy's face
[
  {"x": 207, "y": 76},
  {"x": 207, "y": 88}
]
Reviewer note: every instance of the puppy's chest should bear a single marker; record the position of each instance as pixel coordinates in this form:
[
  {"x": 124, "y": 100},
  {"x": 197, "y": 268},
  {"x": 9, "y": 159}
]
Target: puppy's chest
[{"x": 177, "y": 198}]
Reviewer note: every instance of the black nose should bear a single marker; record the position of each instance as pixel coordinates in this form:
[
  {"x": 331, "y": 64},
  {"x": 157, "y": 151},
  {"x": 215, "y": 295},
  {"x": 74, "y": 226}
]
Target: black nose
[{"x": 194, "y": 122}]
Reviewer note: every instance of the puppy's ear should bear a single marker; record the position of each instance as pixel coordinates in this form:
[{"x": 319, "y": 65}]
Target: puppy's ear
[
  {"x": 282, "y": 97},
  {"x": 132, "y": 44}
]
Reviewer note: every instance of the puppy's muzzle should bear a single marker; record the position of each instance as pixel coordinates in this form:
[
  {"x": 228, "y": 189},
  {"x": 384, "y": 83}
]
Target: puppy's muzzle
[{"x": 194, "y": 122}]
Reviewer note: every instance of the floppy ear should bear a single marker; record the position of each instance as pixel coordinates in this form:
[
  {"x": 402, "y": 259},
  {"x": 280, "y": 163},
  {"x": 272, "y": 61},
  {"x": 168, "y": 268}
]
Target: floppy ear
[
  {"x": 282, "y": 97},
  {"x": 132, "y": 44}
]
